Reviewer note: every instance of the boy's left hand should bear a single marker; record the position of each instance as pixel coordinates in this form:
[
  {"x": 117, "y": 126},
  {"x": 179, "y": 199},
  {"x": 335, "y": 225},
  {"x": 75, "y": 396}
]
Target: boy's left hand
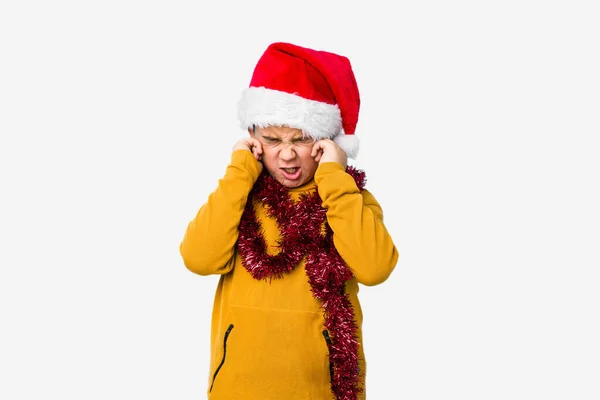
[{"x": 326, "y": 150}]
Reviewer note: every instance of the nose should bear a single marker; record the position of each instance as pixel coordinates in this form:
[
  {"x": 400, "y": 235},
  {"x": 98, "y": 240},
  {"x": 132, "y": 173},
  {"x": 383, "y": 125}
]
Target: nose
[{"x": 287, "y": 153}]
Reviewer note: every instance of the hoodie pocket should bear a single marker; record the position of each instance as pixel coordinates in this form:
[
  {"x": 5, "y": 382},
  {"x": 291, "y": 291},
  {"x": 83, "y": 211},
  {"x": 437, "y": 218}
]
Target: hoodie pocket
[
  {"x": 225, "y": 337},
  {"x": 279, "y": 352},
  {"x": 328, "y": 341}
]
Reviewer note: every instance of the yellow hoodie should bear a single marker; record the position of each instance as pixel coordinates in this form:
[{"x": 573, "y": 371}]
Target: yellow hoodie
[{"x": 268, "y": 340}]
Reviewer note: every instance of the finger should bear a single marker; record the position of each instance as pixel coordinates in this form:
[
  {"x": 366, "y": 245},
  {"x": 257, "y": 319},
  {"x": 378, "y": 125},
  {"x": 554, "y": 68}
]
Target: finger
[
  {"x": 255, "y": 152},
  {"x": 316, "y": 148},
  {"x": 319, "y": 155},
  {"x": 255, "y": 144},
  {"x": 259, "y": 146}
]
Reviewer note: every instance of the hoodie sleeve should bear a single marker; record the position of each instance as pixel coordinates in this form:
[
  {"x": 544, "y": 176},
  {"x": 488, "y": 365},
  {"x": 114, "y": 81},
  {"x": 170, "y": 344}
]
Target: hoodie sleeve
[
  {"x": 208, "y": 246},
  {"x": 356, "y": 219}
]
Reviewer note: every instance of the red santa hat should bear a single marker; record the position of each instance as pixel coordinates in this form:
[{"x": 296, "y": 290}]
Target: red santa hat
[{"x": 311, "y": 90}]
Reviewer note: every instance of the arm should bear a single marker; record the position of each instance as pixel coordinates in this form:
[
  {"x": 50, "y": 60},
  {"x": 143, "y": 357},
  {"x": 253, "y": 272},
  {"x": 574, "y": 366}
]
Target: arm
[
  {"x": 356, "y": 219},
  {"x": 208, "y": 246}
]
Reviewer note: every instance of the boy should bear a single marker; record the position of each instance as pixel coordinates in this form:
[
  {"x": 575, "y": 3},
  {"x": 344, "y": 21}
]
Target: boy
[{"x": 292, "y": 231}]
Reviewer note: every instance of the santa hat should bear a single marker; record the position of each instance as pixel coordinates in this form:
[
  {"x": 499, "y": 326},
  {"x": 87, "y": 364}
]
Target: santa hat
[{"x": 311, "y": 90}]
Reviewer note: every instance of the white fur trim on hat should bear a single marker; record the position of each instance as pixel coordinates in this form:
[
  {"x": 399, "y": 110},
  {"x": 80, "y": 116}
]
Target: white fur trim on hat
[
  {"x": 264, "y": 107},
  {"x": 348, "y": 143}
]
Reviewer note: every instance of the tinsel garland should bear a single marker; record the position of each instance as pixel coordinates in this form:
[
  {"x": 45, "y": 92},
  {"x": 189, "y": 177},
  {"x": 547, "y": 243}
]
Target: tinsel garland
[{"x": 301, "y": 235}]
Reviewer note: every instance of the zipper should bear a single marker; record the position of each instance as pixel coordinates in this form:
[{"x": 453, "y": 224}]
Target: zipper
[
  {"x": 224, "y": 353},
  {"x": 328, "y": 341}
]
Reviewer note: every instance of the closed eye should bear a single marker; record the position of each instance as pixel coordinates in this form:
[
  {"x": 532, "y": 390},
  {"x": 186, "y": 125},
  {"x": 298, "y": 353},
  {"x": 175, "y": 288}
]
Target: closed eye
[{"x": 302, "y": 140}]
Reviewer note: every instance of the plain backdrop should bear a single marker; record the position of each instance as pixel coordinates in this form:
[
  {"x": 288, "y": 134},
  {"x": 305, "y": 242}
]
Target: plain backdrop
[{"x": 479, "y": 132}]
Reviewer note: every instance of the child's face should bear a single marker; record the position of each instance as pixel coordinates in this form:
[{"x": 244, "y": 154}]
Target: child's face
[{"x": 286, "y": 154}]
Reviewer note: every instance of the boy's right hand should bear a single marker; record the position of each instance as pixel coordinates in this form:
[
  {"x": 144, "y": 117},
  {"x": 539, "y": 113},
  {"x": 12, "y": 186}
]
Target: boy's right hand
[{"x": 252, "y": 145}]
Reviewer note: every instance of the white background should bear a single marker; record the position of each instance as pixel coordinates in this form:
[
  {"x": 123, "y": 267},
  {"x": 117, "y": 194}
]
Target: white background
[{"x": 479, "y": 134}]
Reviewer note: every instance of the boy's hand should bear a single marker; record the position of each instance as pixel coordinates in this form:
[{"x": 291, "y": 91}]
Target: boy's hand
[
  {"x": 326, "y": 150},
  {"x": 252, "y": 145}
]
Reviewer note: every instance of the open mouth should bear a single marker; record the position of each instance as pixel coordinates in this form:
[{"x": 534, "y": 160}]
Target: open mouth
[{"x": 291, "y": 173}]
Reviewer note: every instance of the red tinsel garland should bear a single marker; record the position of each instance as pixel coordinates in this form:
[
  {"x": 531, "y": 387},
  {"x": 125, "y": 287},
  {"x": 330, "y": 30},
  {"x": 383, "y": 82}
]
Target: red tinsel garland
[{"x": 300, "y": 228}]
